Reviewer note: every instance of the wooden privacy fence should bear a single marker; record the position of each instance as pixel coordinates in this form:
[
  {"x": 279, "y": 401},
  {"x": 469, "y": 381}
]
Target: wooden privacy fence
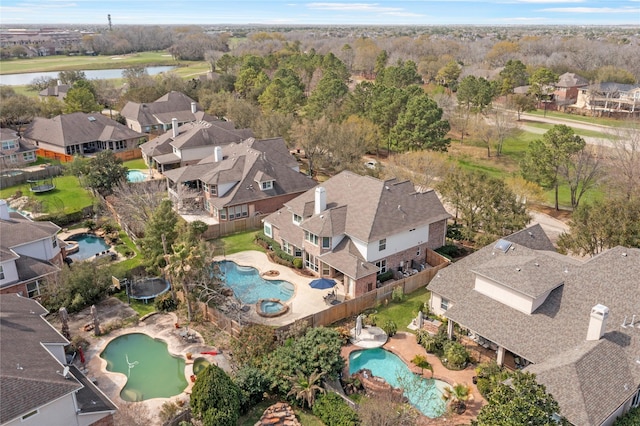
[
  {"x": 9, "y": 180},
  {"x": 231, "y": 227}
]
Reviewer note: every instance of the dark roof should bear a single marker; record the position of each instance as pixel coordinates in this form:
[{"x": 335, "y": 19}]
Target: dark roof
[
  {"x": 554, "y": 335},
  {"x": 163, "y": 110},
  {"x": 29, "y": 375},
  {"x": 77, "y": 128},
  {"x": 375, "y": 209}
]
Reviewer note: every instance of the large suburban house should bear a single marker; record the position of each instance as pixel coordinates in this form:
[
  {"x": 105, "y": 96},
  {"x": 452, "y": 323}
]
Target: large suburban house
[
  {"x": 575, "y": 324},
  {"x": 14, "y": 150},
  {"x": 157, "y": 116},
  {"x": 37, "y": 384},
  {"x": 567, "y": 88},
  {"x": 190, "y": 143},
  {"x": 609, "y": 97},
  {"x": 80, "y": 133},
  {"x": 58, "y": 91},
  {"x": 239, "y": 180},
  {"x": 353, "y": 228},
  {"x": 29, "y": 253}
]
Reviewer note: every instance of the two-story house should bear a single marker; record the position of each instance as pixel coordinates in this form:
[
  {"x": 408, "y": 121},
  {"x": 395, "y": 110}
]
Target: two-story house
[
  {"x": 37, "y": 385},
  {"x": 15, "y": 151},
  {"x": 29, "y": 253},
  {"x": 241, "y": 179},
  {"x": 572, "y": 323},
  {"x": 354, "y": 227},
  {"x": 156, "y": 117},
  {"x": 189, "y": 143},
  {"x": 80, "y": 134}
]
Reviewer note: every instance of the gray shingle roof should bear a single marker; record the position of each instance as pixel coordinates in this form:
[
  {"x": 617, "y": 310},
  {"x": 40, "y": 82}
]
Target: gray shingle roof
[
  {"x": 20, "y": 230},
  {"x": 162, "y": 110},
  {"x": 554, "y": 336},
  {"x": 346, "y": 257},
  {"x": 376, "y": 209},
  {"x": 570, "y": 79},
  {"x": 76, "y": 128},
  {"x": 36, "y": 382}
]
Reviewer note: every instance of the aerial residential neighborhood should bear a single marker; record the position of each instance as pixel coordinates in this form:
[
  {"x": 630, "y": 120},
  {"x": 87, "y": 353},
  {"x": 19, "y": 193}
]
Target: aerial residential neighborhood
[{"x": 338, "y": 214}]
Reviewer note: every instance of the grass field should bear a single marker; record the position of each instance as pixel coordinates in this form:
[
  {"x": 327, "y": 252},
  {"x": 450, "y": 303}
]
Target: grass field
[
  {"x": 138, "y": 163},
  {"x": 591, "y": 120},
  {"x": 67, "y": 197},
  {"x": 61, "y": 62},
  {"x": 579, "y": 132},
  {"x": 403, "y": 313}
]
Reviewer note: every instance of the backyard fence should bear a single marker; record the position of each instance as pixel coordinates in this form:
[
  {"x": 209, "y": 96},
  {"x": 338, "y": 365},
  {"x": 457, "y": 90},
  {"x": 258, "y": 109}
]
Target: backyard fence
[
  {"x": 231, "y": 227},
  {"x": 8, "y": 180}
]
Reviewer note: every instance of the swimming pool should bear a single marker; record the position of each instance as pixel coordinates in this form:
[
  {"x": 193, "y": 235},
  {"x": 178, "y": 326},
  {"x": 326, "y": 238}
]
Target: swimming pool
[
  {"x": 136, "y": 176},
  {"x": 88, "y": 245},
  {"x": 249, "y": 286},
  {"x": 152, "y": 372},
  {"x": 424, "y": 394}
]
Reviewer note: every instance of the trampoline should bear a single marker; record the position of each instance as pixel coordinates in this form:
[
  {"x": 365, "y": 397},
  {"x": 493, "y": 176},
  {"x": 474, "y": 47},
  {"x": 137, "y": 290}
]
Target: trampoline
[{"x": 146, "y": 289}]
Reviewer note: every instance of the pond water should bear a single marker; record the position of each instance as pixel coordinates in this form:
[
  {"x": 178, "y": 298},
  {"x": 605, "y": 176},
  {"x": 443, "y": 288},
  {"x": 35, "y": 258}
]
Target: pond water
[
  {"x": 152, "y": 372},
  {"x": 424, "y": 394},
  {"x": 27, "y": 78}
]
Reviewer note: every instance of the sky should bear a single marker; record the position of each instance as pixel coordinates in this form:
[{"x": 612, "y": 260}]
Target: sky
[{"x": 292, "y": 12}]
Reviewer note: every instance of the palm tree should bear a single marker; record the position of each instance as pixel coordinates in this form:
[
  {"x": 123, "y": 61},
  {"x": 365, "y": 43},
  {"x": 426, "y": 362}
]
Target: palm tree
[
  {"x": 456, "y": 396},
  {"x": 305, "y": 388},
  {"x": 421, "y": 362}
]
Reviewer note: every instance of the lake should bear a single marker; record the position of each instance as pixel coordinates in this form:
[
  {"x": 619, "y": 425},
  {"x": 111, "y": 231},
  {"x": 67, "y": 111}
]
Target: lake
[{"x": 27, "y": 78}]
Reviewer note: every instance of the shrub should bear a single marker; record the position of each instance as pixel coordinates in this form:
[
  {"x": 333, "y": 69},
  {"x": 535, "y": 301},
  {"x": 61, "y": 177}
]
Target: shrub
[
  {"x": 390, "y": 327},
  {"x": 629, "y": 419},
  {"x": 398, "y": 294},
  {"x": 168, "y": 411},
  {"x": 333, "y": 411},
  {"x": 90, "y": 224},
  {"x": 215, "y": 398},
  {"x": 385, "y": 276},
  {"x": 297, "y": 262},
  {"x": 252, "y": 384},
  {"x": 456, "y": 354},
  {"x": 165, "y": 303},
  {"x": 371, "y": 320}
]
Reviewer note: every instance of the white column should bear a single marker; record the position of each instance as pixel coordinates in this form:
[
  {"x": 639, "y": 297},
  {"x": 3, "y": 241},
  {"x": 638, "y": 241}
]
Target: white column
[
  {"x": 450, "y": 329},
  {"x": 500, "y": 357}
]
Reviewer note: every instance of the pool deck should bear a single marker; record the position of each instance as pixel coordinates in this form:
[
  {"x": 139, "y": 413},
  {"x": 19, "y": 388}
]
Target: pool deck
[
  {"x": 305, "y": 301},
  {"x": 406, "y": 347}
]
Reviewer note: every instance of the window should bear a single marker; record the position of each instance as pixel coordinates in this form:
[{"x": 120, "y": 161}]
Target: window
[
  {"x": 326, "y": 242},
  {"x": 267, "y": 230},
  {"x": 297, "y": 219},
  {"x": 213, "y": 189},
  {"x": 33, "y": 289},
  {"x": 121, "y": 145},
  {"x": 54, "y": 241},
  {"x": 1, "y": 273},
  {"x": 312, "y": 238},
  {"x": 267, "y": 185},
  {"x": 444, "y": 304},
  {"x": 223, "y": 214},
  {"x": 285, "y": 247},
  {"x": 13, "y": 158},
  {"x": 310, "y": 262},
  {"x": 237, "y": 212},
  {"x": 326, "y": 270},
  {"x": 382, "y": 266},
  {"x": 9, "y": 145},
  {"x": 29, "y": 156},
  {"x": 382, "y": 244}
]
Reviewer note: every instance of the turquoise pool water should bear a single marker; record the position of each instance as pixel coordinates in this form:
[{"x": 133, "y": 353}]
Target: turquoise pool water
[
  {"x": 424, "y": 394},
  {"x": 249, "y": 286},
  {"x": 151, "y": 371},
  {"x": 136, "y": 176},
  {"x": 88, "y": 245}
]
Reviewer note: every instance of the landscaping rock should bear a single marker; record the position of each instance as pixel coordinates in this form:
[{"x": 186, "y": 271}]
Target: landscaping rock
[{"x": 279, "y": 414}]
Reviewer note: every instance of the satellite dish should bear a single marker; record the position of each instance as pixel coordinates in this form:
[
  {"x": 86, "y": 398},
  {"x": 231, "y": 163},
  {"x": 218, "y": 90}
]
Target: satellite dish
[{"x": 65, "y": 372}]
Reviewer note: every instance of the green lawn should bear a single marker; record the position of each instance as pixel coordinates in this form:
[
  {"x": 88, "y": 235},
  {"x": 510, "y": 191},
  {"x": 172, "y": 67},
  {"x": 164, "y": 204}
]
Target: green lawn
[
  {"x": 402, "y": 313},
  {"x": 140, "y": 307},
  {"x": 242, "y": 241},
  {"x": 67, "y": 197},
  {"x": 580, "y": 132},
  {"x": 591, "y": 120},
  {"x": 138, "y": 163},
  {"x": 61, "y": 62}
]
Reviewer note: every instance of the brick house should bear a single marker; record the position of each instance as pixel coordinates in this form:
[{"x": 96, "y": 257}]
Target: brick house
[
  {"x": 353, "y": 228},
  {"x": 14, "y": 150}
]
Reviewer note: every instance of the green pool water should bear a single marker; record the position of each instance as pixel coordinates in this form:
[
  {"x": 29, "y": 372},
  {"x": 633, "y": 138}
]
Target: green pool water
[{"x": 152, "y": 372}]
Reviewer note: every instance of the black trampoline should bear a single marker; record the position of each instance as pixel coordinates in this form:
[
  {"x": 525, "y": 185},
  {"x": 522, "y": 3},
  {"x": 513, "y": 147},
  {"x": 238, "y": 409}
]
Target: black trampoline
[{"x": 149, "y": 288}]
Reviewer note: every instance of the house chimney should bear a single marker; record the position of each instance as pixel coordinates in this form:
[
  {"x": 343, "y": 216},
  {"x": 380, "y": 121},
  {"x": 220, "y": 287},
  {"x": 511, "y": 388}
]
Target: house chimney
[
  {"x": 4, "y": 210},
  {"x": 597, "y": 322},
  {"x": 193, "y": 108},
  {"x": 217, "y": 154},
  {"x": 320, "y": 200},
  {"x": 174, "y": 126}
]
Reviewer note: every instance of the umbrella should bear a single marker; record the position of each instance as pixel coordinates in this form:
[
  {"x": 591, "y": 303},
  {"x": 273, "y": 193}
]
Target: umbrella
[{"x": 322, "y": 283}]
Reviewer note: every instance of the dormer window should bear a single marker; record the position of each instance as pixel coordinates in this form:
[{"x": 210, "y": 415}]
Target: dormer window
[
  {"x": 266, "y": 185},
  {"x": 297, "y": 219}
]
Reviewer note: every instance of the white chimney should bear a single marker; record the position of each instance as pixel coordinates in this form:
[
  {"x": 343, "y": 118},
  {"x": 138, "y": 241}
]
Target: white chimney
[
  {"x": 217, "y": 154},
  {"x": 597, "y": 322},
  {"x": 193, "y": 108},
  {"x": 174, "y": 126},
  {"x": 320, "y": 200},
  {"x": 4, "y": 210}
]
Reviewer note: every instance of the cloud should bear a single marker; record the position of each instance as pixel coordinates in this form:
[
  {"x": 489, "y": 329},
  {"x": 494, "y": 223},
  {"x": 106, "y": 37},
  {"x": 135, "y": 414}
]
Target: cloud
[
  {"x": 591, "y": 10},
  {"x": 360, "y": 7}
]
